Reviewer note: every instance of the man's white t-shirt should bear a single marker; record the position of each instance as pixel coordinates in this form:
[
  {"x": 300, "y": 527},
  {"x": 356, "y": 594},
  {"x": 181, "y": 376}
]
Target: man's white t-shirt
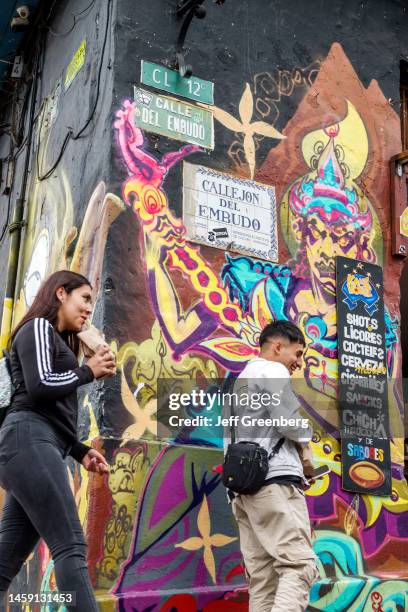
[{"x": 269, "y": 410}]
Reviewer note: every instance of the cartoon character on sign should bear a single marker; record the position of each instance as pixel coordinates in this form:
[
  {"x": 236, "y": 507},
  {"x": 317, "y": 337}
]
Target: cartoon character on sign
[{"x": 359, "y": 288}]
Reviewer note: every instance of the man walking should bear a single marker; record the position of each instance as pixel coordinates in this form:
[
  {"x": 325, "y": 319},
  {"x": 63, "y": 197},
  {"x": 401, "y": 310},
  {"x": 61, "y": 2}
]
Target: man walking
[{"x": 273, "y": 523}]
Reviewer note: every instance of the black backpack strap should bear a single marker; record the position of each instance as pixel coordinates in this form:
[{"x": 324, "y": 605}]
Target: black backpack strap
[
  {"x": 276, "y": 448},
  {"x": 226, "y": 388},
  {"x": 232, "y": 428},
  {"x": 232, "y": 387}
]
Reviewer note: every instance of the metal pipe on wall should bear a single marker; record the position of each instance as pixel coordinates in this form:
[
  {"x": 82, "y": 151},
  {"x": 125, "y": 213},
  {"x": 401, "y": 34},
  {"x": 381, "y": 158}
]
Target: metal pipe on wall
[{"x": 17, "y": 223}]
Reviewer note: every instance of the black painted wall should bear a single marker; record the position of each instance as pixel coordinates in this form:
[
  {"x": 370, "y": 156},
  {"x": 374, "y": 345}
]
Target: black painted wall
[{"x": 232, "y": 44}]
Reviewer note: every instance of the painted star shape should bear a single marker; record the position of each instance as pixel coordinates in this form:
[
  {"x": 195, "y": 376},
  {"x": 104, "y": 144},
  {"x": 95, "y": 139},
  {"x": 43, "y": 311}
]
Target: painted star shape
[
  {"x": 246, "y": 126},
  {"x": 145, "y": 418},
  {"x": 206, "y": 541}
]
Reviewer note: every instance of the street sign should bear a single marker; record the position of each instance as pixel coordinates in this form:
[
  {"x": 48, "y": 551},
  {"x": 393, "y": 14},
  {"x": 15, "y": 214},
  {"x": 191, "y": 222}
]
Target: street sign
[
  {"x": 174, "y": 118},
  {"x": 228, "y": 212},
  {"x": 170, "y": 81}
]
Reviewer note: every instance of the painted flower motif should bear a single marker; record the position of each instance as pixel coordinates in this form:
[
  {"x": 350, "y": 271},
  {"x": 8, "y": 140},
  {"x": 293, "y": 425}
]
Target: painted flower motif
[
  {"x": 148, "y": 201},
  {"x": 152, "y": 200},
  {"x": 246, "y": 109},
  {"x": 246, "y": 346},
  {"x": 206, "y": 541},
  {"x": 145, "y": 418}
]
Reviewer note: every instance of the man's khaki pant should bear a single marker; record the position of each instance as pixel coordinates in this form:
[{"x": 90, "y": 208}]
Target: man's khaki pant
[{"x": 274, "y": 529}]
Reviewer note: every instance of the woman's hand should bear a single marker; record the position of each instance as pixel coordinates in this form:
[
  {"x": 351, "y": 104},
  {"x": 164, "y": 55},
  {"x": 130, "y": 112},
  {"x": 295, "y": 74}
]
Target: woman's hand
[
  {"x": 94, "y": 461},
  {"x": 102, "y": 363}
]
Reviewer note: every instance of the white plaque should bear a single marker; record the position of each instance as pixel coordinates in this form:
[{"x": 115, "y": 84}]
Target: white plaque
[{"x": 229, "y": 213}]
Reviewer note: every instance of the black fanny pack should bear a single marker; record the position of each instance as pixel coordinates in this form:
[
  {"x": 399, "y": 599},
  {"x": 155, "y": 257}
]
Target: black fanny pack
[
  {"x": 246, "y": 463},
  {"x": 246, "y": 466}
]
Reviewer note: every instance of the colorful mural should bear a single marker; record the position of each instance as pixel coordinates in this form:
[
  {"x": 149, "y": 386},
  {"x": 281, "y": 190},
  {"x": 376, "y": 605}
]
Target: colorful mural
[
  {"x": 161, "y": 536},
  {"x": 325, "y": 210}
]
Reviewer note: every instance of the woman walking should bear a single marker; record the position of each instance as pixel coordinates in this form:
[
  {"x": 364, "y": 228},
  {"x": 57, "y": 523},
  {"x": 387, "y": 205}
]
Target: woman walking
[{"x": 39, "y": 431}]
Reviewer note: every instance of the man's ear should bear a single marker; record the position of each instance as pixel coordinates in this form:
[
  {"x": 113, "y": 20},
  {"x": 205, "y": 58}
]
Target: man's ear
[{"x": 277, "y": 346}]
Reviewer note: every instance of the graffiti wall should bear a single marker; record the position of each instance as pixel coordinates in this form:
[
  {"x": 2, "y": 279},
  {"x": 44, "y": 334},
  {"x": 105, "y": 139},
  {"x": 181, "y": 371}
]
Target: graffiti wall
[
  {"x": 161, "y": 535},
  {"x": 208, "y": 309}
]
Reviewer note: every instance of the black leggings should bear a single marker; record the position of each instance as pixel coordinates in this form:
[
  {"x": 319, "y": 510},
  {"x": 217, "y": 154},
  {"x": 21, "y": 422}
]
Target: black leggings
[{"x": 39, "y": 503}]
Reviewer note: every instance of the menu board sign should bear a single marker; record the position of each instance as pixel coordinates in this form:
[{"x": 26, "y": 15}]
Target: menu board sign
[{"x": 366, "y": 458}]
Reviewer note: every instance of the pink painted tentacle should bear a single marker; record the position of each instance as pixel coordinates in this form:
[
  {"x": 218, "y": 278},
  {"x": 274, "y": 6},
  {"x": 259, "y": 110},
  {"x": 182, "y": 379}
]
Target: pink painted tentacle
[{"x": 170, "y": 159}]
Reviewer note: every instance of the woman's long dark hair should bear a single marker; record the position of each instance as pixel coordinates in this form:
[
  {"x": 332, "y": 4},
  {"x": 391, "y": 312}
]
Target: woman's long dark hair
[{"x": 46, "y": 304}]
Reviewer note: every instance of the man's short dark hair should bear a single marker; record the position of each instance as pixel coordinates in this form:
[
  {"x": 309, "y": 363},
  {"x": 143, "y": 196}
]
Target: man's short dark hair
[{"x": 282, "y": 329}]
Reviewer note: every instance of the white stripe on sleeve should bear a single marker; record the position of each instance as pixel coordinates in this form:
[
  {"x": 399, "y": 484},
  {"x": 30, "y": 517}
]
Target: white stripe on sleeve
[
  {"x": 42, "y": 347},
  {"x": 45, "y": 327}
]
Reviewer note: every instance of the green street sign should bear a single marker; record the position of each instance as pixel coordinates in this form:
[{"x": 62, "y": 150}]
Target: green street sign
[
  {"x": 174, "y": 118},
  {"x": 170, "y": 81}
]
